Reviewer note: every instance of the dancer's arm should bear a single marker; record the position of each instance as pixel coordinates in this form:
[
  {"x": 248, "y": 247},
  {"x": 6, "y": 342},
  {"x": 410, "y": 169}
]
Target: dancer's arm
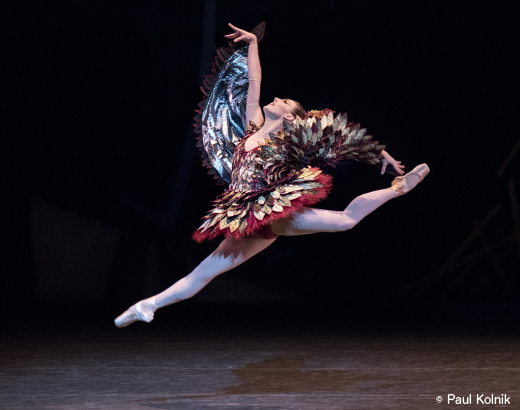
[{"x": 253, "y": 110}]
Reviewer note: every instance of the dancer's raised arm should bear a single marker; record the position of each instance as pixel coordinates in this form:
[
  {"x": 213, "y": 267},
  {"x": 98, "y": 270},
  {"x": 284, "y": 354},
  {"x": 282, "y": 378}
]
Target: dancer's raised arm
[{"x": 253, "y": 110}]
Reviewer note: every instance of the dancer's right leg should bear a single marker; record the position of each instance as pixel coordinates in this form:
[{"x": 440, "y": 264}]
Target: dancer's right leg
[
  {"x": 307, "y": 220},
  {"x": 229, "y": 254}
]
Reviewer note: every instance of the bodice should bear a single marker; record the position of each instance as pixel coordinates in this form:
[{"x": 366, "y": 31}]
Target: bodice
[{"x": 246, "y": 173}]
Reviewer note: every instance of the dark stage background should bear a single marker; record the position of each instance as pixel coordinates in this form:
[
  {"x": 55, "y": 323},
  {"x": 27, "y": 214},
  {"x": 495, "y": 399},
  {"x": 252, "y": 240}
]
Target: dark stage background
[{"x": 102, "y": 184}]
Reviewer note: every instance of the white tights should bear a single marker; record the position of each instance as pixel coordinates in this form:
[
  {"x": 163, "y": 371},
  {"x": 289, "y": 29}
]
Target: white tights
[{"x": 232, "y": 252}]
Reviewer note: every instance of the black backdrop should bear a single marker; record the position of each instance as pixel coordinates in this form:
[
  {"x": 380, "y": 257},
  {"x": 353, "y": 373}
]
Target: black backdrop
[{"x": 103, "y": 185}]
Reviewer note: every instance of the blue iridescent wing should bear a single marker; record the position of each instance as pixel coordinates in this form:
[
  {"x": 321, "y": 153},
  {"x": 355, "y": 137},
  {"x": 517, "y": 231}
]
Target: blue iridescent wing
[{"x": 221, "y": 117}]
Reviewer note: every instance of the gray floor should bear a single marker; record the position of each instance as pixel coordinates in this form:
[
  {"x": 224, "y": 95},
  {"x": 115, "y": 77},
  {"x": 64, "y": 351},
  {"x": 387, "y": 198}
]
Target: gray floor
[{"x": 253, "y": 366}]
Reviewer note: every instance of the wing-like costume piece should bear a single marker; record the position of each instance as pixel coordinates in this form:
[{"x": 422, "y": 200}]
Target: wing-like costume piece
[
  {"x": 317, "y": 141},
  {"x": 220, "y": 122}
]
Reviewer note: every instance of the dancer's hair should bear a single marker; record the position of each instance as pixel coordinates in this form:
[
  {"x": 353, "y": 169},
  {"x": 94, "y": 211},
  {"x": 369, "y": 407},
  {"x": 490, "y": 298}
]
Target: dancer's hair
[{"x": 299, "y": 111}]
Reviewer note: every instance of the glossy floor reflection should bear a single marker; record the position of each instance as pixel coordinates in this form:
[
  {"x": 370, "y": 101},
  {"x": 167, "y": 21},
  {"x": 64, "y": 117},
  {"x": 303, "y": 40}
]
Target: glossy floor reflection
[{"x": 246, "y": 365}]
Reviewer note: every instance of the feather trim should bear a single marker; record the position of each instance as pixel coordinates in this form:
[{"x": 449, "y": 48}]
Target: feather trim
[{"x": 222, "y": 219}]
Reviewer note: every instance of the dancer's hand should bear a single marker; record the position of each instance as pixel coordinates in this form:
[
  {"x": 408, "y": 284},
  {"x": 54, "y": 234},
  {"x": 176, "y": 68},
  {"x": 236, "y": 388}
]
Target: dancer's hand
[
  {"x": 241, "y": 35},
  {"x": 387, "y": 159}
]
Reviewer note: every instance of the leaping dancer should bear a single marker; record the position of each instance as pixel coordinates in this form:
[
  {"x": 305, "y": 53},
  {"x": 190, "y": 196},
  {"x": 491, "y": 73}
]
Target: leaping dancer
[{"x": 273, "y": 170}]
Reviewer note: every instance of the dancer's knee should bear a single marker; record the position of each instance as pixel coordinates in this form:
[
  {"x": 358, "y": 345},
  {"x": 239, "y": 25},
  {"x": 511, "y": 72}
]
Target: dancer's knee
[
  {"x": 200, "y": 279},
  {"x": 346, "y": 223},
  {"x": 206, "y": 271}
]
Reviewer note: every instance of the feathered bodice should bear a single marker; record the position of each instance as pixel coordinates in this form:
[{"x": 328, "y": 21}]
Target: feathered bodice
[
  {"x": 314, "y": 142},
  {"x": 247, "y": 174}
]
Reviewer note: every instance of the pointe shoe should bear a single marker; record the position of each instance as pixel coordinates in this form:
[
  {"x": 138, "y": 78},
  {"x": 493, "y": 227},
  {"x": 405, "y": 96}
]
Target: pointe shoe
[
  {"x": 401, "y": 185},
  {"x": 144, "y": 311}
]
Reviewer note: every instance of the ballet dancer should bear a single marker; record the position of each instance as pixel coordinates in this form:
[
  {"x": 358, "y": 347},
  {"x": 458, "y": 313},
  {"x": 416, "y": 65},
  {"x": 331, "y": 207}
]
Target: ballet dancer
[{"x": 273, "y": 170}]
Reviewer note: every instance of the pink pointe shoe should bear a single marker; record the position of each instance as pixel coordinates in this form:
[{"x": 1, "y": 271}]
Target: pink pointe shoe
[
  {"x": 144, "y": 311},
  {"x": 401, "y": 185}
]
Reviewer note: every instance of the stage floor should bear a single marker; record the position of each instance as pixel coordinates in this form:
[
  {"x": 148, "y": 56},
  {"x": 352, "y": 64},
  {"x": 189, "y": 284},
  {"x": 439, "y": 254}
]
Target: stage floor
[{"x": 254, "y": 365}]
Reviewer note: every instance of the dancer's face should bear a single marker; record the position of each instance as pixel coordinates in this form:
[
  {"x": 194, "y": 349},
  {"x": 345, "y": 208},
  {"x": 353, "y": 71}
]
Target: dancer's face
[{"x": 280, "y": 108}]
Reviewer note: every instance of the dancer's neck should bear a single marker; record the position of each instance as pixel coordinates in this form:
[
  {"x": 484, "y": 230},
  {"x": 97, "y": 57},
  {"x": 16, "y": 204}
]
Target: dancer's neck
[{"x": 270, "y": 127}]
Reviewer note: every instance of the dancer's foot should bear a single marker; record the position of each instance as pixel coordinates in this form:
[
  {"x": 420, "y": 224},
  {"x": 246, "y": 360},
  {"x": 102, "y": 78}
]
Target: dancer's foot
[
  {"x": 142, "y": 310},
  {"x": 401, "y": 185}
]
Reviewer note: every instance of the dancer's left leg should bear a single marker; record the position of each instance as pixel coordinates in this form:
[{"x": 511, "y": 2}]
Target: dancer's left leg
[{"x": 229, "y": 254}]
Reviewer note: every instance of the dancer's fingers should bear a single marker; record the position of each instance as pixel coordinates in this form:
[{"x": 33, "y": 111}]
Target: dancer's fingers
[
  {"x": 383, "y": 169},
  {"x": 234, "y": 28}
]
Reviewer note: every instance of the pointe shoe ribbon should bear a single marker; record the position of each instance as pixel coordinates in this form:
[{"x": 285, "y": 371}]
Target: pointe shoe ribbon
[
  {"x": 400, "y": 184},
  {"x": 144, "y": 312}
]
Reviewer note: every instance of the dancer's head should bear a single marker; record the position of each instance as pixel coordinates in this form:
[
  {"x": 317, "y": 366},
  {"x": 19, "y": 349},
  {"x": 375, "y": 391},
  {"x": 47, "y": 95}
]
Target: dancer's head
[{"x": 284, "y": 109}]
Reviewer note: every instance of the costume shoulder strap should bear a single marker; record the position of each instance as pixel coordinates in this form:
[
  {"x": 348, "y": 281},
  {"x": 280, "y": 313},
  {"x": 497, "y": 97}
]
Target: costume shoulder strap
[{"x": 220, "y": 122}]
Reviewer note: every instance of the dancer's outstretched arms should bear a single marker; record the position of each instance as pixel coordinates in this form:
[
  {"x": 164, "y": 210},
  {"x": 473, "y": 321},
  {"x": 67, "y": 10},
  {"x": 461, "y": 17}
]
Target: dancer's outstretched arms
[
  {"x": 253, "y": 111},
  {"x": 387, "y": 159}
]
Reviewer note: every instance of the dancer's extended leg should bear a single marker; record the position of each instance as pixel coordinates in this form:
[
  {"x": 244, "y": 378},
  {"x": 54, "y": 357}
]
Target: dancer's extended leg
[
  {"x": 229, "y": 254},
  {"x": 312, "y": 220}
]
